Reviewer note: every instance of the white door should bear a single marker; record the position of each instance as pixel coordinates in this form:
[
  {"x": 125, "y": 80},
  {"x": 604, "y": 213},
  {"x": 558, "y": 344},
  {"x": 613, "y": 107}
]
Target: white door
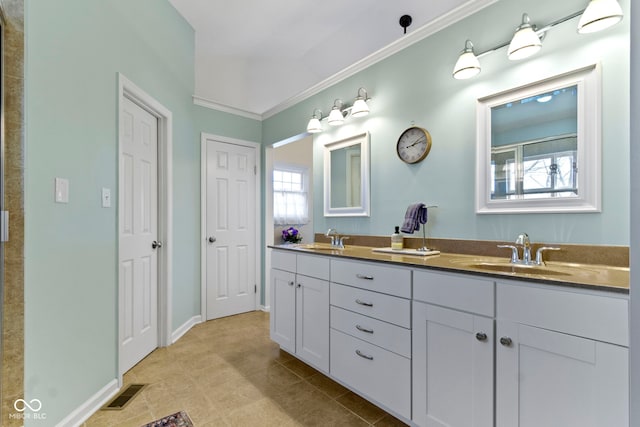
[
  {"x": 230, "y": 229},
  {"x": 452, "y": 368},
  {"x": 138, "y": 230},
  {"x": 546, "y": 378}
]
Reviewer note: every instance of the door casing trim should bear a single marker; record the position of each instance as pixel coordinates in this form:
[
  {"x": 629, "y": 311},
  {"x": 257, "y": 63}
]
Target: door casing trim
[
  {"x": 128, "y": 89},
  {"x": 203, "y": 216}
]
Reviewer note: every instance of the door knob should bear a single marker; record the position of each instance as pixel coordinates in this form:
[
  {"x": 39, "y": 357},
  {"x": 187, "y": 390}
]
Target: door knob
[
  {"x": 155, "y": 244},
  {"x": 212, "y": 239}
]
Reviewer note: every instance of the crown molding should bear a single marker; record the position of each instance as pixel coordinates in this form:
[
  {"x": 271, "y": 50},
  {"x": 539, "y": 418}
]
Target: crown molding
[
  {"x": 450, "y": 18},
  {"x": 202, "y": 102}
]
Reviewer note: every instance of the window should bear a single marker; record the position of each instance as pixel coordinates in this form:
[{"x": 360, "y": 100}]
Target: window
[
  {"x": 535, "y": 169},
  {"x": 290, "y": 198}
]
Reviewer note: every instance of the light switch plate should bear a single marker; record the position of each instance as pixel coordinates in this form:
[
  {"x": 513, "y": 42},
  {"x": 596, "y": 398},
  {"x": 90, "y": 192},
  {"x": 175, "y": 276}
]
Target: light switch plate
[
  {"x": 62, "y": 190},
  {"x": 106, "y": 198}
]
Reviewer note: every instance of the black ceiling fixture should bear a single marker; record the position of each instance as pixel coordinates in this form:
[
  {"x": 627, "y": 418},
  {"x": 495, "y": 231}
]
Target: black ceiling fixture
[{"x": 405, "y": 21}]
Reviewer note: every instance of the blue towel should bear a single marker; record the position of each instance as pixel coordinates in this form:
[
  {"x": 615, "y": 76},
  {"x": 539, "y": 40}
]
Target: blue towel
[{"x": 416, "y": 215}]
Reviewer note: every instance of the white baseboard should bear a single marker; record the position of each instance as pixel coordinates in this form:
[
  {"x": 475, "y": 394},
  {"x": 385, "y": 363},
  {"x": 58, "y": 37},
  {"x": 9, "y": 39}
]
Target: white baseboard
[
  {"x": 178, "y": 333},
  {"x": 265, "y": 308},
  {"x": 88, "y": 408}
]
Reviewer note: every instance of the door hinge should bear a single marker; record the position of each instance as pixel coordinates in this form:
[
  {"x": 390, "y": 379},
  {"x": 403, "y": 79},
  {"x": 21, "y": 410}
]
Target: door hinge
[
  {"x": 255, "y": 169},
  {"x": 255, "y": 289},
  {"x": 4, "y": 226}
]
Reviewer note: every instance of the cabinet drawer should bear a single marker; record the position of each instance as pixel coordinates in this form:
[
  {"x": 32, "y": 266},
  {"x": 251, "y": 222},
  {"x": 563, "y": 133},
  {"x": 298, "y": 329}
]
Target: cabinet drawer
[
  {"x": 390, "y": 337},
  {"x": 599, "y": 317},
  {"x": 455, "y": 291},
  {"x": 379, "y": 374},
  {"x": 373, "y": 304},
  {"x": 380, "y": 278},
  {"x": 283, "y": 260},
  {"x": 313, "y": 266}
]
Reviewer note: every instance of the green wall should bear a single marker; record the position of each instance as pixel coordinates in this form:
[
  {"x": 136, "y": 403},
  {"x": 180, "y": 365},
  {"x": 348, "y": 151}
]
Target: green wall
[
  {"x": 415, "y": 86},
  {"x": 74, "y": 50}
]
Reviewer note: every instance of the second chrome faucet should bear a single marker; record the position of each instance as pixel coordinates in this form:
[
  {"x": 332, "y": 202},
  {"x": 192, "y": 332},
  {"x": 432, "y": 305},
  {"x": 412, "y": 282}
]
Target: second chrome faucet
[{"x": 524, "y": 241}]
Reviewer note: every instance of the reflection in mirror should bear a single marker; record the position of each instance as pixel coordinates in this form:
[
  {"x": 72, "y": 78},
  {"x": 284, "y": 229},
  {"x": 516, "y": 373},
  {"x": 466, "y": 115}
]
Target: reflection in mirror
[
  {"x": 345, "y": 177},
  {"x": 346, "y": 169},
  {"x": 539, "y": 146},
  {"x": 534, "y": 146}
]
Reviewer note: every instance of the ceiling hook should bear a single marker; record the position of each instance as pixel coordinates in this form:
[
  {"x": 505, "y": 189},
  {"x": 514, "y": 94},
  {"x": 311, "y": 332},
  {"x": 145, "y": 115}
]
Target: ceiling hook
[{"x": 405, "y": 21}]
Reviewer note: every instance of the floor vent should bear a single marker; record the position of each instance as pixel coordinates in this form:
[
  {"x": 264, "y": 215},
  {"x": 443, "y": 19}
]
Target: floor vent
[{"x": 124, "y": 397}]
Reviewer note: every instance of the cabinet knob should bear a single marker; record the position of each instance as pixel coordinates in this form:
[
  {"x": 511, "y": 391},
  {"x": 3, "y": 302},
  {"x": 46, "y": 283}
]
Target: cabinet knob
[
  {"x": 481, "y": 336},
  {"x": 506, "y": 341},
  {"x": 291, "y": 283},
  {"x": 299, "y": 285}
]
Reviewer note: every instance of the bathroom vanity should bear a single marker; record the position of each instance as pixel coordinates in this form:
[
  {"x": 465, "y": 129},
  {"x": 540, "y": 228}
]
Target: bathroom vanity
[{"x": 448, "y": 341}]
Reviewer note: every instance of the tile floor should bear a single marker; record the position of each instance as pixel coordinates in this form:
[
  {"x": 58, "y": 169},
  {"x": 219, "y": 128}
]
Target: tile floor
[{"x": 227, "y": 372}]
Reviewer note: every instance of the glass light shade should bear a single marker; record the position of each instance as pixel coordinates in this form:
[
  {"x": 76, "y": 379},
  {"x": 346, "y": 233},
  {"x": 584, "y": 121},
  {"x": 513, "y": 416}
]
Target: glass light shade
[
  {"x": 467, "y": 65},
  {"x": 314, "y": 125},
  {"x": 335, "y": 117},
  {"x": 360, "y": 108},
  {"x": 525, "y": 42},
  {"x": 598, "y": 15}
]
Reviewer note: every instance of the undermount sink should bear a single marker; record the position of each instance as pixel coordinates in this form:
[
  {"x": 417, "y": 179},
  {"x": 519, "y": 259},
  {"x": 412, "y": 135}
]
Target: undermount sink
[
  {"x": 517, "y": 268},
  {"x": 317, "y": 246}
]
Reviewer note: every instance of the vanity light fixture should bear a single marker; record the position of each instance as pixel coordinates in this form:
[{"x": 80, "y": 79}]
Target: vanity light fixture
[
  {"x": 467, "y": 65},
  {"x": 314, "y": 125},
  {"x": 598, "y": 15},
  {"x": 527, "y": 40},
  {"x": 336, "y": 117},
  {"x": 360, "y": 107},
  {"x": 339, "y": 112}
]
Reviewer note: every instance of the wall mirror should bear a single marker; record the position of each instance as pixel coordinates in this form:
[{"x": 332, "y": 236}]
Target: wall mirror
[
  {"x": 346, "y": 177},
  {"x": 538, "y": 146}
]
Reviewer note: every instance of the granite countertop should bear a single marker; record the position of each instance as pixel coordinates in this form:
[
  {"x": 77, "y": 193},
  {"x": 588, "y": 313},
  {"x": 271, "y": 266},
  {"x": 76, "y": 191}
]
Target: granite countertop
[{"x": 588, "y": 276}]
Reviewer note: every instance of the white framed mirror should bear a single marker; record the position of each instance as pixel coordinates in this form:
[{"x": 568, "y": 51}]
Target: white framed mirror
[
  {"x": 539, "y": 146},
  {"x": 346, "y": 177}
]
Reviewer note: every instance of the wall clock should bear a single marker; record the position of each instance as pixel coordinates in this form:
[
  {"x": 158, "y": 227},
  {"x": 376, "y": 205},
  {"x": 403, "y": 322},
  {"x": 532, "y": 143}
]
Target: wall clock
[{"x": 413, "y": 145}]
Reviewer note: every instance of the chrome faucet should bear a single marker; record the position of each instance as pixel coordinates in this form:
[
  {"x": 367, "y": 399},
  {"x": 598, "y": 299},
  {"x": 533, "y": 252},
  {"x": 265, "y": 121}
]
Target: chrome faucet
[
  {"x": 337, "y": 241},
  {"x": 524, "y": 241}
]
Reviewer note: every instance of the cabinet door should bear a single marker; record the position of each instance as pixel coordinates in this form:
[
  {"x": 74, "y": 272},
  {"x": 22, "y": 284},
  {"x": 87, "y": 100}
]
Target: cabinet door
[
  {"x": 283, "y": 309},
  {"x": 546, "y": 378},
  {"x": 452, "y": 368},
  {"x": 312, "y": 321}
]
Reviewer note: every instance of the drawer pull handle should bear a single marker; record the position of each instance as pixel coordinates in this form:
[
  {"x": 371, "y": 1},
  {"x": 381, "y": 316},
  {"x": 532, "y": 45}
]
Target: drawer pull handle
[
  {"x": 481, "y": 336},
  {"x": 366, "y": 304},
  {"x": 364, "y": 277},
  {"x": 364, "y": 356},
  {"x": 506, "y": 341},
  {"x": 360, "y": 328}
]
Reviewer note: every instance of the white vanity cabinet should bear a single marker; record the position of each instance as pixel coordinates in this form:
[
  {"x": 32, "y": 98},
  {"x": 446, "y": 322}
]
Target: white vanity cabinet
[
  {"x": 453, "y": 350},
  {"x": 561, "y": 357},
  {"x": 371, "y": 331},
  {"x": 299, "y": 319}
]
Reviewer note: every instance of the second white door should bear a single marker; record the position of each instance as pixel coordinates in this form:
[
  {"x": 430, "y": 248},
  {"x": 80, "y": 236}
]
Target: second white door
[
  {"x": 138, "y": 234},
  {"x": 230, "y": 229}
]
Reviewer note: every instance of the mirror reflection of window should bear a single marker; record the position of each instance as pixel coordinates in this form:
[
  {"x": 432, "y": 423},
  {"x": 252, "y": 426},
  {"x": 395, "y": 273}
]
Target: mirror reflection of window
[{"x": 534, "y": 146}]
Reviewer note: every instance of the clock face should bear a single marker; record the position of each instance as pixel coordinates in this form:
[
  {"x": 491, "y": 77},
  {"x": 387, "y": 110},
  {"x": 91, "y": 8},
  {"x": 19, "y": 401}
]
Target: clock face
[{"x": 413, "y": 145}]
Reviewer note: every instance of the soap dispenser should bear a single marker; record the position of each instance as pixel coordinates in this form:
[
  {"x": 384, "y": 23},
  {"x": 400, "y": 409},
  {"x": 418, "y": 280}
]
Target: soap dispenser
[{"x": 396, "y": 239}]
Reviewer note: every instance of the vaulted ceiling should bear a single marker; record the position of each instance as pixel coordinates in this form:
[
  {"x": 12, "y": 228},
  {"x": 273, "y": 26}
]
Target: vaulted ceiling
[{"x": 254, "y": 55}]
